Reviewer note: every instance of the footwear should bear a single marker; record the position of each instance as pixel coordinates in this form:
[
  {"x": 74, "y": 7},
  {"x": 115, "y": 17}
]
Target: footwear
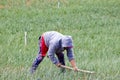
[{"x": 32, "y": 70}]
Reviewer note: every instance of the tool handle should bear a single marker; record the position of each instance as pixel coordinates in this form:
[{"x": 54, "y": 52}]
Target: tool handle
[{"x": 80, "y": 70}]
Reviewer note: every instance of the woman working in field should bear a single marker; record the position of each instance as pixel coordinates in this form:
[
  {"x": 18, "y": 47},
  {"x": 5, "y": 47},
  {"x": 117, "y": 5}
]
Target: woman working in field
[{"x": 54, "y": 43}]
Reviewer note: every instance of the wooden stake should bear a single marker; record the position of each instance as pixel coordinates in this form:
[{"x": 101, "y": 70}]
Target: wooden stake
[
  {"x": 58, "y": 3},
  {"x": 25, "y": 38}
]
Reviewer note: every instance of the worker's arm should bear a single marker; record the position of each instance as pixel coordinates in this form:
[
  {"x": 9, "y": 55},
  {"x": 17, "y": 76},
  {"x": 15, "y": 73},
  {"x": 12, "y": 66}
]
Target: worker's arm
[
  {"x": 73, "y": 64},
  {"x": 51, "y": 54},
  {"x": 70, "y": 55}
]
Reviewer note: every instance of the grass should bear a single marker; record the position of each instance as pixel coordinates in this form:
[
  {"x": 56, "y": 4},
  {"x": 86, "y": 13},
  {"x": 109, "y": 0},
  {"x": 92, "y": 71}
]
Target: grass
[{"x": 93, "y": 24}]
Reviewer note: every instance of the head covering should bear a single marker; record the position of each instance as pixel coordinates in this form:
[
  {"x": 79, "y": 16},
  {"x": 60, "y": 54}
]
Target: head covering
[{"x": 67, "y": 41}]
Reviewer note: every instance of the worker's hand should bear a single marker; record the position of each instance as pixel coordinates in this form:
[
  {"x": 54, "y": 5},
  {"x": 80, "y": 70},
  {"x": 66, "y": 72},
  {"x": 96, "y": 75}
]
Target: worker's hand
[
  {"x": 58, "y": 64},
  {"x": 75, "y": 68}
]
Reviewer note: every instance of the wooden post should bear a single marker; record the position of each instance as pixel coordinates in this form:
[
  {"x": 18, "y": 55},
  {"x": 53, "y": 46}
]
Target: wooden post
[
  {"x": 25, "y": 38},
  {"x": 58, "y": 3}
]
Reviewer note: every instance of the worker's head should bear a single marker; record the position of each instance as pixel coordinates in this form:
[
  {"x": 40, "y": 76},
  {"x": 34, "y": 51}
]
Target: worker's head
[{"x": 67, "y": 42}]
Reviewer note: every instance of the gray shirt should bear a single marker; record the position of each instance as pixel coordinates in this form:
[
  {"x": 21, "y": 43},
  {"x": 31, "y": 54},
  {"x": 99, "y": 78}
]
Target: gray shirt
[{"x": 54, "y": 44}]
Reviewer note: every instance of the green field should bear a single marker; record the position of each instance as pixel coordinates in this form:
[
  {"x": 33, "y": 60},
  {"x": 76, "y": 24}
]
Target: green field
[{"x": 93, "y": 24}]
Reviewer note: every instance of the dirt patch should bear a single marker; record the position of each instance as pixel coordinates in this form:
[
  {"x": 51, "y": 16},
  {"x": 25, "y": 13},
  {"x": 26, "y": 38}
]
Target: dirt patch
[
  {"x": 4, "y": 6},
  {"x": 28, "y": 2},
  {"x": 1, "y": 6}
]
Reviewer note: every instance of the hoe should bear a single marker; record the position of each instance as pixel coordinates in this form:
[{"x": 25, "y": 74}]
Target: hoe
[{"x": 79, "y": 70}]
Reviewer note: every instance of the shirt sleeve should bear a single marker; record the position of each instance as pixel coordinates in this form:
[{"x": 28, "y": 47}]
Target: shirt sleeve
[
  {"x": 70, "y": 54},
  {"x": 51, "y": 54}
]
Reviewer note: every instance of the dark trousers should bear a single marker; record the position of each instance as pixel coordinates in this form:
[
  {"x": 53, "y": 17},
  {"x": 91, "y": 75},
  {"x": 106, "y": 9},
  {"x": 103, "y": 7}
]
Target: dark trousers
[{"x": 61, "y": 58}]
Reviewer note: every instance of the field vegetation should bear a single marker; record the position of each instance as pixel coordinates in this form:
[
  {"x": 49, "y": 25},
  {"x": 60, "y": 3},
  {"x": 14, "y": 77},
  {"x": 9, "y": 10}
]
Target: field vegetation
[{"x": 93, "y": 24}]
